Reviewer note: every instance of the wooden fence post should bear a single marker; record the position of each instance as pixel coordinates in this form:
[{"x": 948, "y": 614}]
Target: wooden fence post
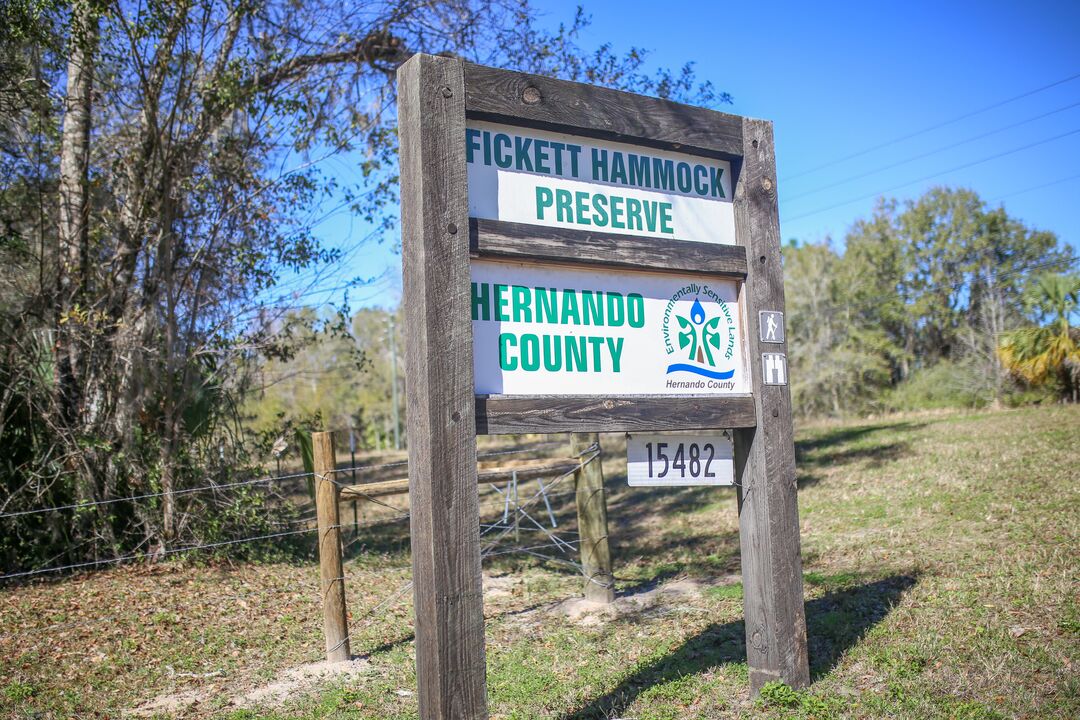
[
  {"x": 592, "y": 520},
  {"x": 331, "y": 572},
  {"x": 765, "y": 455},
  {"x": 440, "y": 393}
]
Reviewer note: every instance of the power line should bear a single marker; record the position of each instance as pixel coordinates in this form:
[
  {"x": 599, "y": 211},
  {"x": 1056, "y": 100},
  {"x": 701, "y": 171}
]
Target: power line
[
  {"x": 1027, "y": 270},
  {"x": 933, "y": 175},
  {"x": 931, "y": 128},
  {"x": 1036, "y": 187},
  {"x": 846, "y": 180}
]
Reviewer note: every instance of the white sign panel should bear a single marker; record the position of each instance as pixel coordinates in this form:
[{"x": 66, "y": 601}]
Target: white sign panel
[
  {"x": 542, "y": 178},
  {"x": 699, "y": 459},
  {"x": 774, "y": 368},
  {"x": 545, "y": 329}
]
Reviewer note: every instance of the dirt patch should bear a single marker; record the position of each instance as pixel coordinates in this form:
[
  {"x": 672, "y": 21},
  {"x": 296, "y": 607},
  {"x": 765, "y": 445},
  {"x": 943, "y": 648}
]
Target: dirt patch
[
  {"x": 171, "y": 704},
  {"x": 288, "y": 684},
  {"x": 500, "y": 586},
  {"x": 587, "y": 613},
  {"x": 300, "y": 679}
]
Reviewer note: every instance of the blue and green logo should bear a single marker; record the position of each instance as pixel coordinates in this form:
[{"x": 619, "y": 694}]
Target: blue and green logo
[{"x": 703, "y": 340}]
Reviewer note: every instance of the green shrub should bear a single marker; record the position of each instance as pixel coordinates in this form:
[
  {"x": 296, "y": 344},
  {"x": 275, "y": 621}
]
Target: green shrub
[{"x": 944, "y": 385}]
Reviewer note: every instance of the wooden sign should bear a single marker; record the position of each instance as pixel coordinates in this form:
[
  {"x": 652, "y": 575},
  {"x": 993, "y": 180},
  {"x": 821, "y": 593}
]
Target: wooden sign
[
  {"x": 578, "y": 259},
  {"x": 550, "y": 329},
  {"x": 530, "y": 176}
]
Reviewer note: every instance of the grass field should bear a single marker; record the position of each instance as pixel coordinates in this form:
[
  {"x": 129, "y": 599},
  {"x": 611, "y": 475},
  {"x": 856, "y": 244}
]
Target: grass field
[{"x": 941, "y": 553}]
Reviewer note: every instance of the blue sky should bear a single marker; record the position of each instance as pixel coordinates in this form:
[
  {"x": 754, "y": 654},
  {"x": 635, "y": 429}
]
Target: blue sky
[{"x": 840, "y": 78}]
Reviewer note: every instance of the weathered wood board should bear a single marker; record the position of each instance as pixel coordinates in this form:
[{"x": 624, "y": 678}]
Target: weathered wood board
[{"x": 671, "y": 189}]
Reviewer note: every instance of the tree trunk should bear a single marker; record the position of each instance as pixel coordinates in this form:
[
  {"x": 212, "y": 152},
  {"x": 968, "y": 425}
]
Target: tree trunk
[
  {"x": 72, "y": 413},
  {"x": 73, "y": 232},
  {"x": 168, "y": 482}
]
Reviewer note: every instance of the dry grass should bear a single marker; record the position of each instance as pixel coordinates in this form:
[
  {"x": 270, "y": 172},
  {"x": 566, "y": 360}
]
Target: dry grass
[{"x": 941, "y": 556}]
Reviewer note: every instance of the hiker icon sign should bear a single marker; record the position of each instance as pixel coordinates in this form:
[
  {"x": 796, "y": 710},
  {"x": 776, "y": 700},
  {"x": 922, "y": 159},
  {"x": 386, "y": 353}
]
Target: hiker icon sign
[{"x": 771, "y": 325}]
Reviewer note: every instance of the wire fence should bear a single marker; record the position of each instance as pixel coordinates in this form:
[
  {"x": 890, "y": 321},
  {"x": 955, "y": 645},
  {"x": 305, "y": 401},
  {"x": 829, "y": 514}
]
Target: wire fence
[
  {"x": 148, "y": 556},
  {"x": 557, "y": 542},
  {"x": 146, "y": 496},
  {"x": 251, "y": 481},
  {"x": 521, "y": 514},
  {"x": 521, "y": 510}
]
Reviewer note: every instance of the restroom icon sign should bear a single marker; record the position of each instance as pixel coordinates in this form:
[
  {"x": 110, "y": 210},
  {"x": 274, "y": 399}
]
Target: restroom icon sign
[{"x": 774, "y": 369}]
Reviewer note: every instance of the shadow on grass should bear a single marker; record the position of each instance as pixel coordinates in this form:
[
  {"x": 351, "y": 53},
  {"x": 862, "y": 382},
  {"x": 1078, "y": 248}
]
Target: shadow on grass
[
  {"x": 844, "y": 435},
  {"x": 389, "y": 537},
  {"x": 828, "y": 449},
  {"x": 835, "y": 622},
  {"x": 633, "y": 510}
]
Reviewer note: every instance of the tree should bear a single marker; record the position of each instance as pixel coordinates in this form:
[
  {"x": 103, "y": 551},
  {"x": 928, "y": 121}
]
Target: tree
[
  {"x": 928, "y": 284},
  {"x": 838, "y": 362},
  {"x": 191, "y": 138},
  {"x": 319, "y": 382},
  {"x": 374, "y": 413},
  {"x": 1050, "y": 349},
  {"x": 339, "y": 379}
]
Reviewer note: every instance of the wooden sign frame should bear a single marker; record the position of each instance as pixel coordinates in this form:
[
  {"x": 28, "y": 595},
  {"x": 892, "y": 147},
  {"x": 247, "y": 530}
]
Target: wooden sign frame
[{"x": 435, "y": 96}]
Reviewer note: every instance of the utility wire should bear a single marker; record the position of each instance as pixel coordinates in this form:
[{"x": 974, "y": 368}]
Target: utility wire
[
  {"x": 937, "y": 126},
  {"x": 927, "y": 154},
  {"x": 1036, "y": 187},
  {"x": 1035, "y": 267},
  {"x": 933, "y": 175}
]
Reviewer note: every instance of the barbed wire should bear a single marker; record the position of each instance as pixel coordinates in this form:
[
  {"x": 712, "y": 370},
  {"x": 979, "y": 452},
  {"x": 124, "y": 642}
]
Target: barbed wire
[
  {"x": 366, "y": 616},
  {"x": 595, "y": 451},
  {"x": 244, "y": 596},
  {"x": 514, "y": 550},
  {"x": 132, "y": 498},
  {"x": 379, "y": 466},
  {"x": 138, "y": 613},
  {"x": 493, "y": 550},
  {"x": 402, "y": 463},
  {"x": 241, "y": 483},
  {"x": 142, "y": 556}
]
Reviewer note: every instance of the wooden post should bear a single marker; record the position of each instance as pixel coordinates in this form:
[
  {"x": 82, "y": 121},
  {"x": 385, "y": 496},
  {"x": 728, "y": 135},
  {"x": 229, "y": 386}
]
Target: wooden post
[
  {"x": 765, "y": 455},
  {"x": 445, "y": 515},
  {"x": 517, "y": 512},
  {"x": 592, "y": 521},
  {"x": 331, "y": 573},
  {"x": 352, "y": 461}
]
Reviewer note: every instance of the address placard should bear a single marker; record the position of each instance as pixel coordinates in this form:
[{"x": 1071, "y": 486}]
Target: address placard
[
  {"x": 543, "y": 178},
  {"x": 547, "y": 329},
  {"x": 683, "y": 459}
]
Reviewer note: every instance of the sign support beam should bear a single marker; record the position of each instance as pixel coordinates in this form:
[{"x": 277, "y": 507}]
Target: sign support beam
[
  {"x": 444, "y": 251},
  {"x": 445, "y": 519},
  {"x": 765, "y": 455}
]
